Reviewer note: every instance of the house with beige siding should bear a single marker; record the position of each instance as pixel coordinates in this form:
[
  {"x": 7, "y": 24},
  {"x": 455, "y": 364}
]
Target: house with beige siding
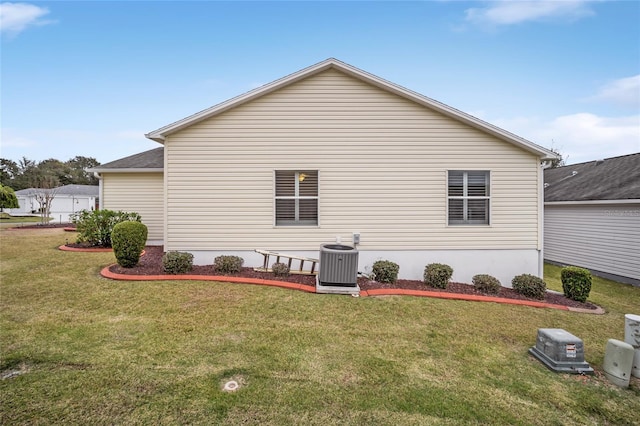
[
  {"x": 331, "y": 151},
  {"x": 136, "y": 184},
  {"x": 592, "y": 217}
]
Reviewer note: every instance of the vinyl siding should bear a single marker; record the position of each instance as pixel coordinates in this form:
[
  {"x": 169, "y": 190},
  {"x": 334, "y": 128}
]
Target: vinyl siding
[
  {"x": 137, "y": 192},
  {"x": 604, "y": 238},
  {"x": 382, "y": 163}
]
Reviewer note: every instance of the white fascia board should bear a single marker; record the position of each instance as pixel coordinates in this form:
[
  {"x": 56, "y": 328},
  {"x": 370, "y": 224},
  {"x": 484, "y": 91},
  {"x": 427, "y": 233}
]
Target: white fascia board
[
  {"x": 591, "y": 202},
  {"x": 132, "y": 170},
  {"x": 160, "y": 134}
]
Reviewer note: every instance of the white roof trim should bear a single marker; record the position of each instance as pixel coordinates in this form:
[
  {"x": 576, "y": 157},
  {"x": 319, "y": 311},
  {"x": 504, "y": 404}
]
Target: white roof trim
[
  {"x": 593, "y": 202},
  {"x": 160, "y": 134}
]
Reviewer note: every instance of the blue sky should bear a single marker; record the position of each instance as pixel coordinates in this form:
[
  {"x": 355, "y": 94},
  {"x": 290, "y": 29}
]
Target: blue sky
[{"x": 91, "y": 78}]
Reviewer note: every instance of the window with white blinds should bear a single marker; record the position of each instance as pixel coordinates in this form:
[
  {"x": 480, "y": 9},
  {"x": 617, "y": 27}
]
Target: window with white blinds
[
  {"x": 296, "y": 198},
  {"x": 468, "y": 197}
]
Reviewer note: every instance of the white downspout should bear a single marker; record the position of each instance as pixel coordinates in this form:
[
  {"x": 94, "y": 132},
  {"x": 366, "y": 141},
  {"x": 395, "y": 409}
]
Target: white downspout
[
  {"x": 100, "y": 190},
  {"x": 543, "y": 166}
]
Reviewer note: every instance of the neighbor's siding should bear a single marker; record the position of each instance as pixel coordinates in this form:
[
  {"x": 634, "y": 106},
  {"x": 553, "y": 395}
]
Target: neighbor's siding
[
  {"x": 382, "y": 163},
  {"x": 604, "y": 238},
  {"x": 139, "y": 192}
]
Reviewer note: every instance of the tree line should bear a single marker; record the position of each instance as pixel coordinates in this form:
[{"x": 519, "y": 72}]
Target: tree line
[{"x": 50, "y": 173}]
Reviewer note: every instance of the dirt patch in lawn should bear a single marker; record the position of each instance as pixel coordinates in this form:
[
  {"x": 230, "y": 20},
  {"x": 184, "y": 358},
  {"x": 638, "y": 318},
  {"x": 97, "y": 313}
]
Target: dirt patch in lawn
[{"x": 151, "y": 264}]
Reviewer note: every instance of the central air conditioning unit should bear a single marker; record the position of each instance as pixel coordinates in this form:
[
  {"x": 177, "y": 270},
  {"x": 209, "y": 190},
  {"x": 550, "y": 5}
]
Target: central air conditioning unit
[{"x": 338, "y": 270}]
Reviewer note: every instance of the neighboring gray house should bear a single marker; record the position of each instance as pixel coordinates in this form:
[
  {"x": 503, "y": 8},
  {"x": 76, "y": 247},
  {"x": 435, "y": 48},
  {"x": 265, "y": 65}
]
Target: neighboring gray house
[
  {"x": 69, "y": 199},
  {"x": 592, "y": 217}
]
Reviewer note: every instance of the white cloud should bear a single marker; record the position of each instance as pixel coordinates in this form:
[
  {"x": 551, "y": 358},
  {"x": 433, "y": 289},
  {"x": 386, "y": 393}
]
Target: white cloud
[
  {"x": 515, "y": 12},
  {"x": 16, "y": 17},
  {"x": 623, "y": 92},
  {"x": 580, "y": 137},
  {"x": 11, "y": 139}
]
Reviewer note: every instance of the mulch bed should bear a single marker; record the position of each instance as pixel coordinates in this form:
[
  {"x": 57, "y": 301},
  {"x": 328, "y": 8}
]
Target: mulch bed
[{"x": 151, "y": 264}]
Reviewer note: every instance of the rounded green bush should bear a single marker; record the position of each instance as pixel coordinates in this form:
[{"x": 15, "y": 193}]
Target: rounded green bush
[
  {"x": 177, "y": 262},
  {"x": 385, "y": 271},
  {"x": 280, "y": 270},
  {"x": 576, "y": 283},
  {"x": 95, "y": 227},
  {"x": 486, "y": 284},
  {"x": 128, "y": 239},
  {"x": 529, "y": 286},
  {"x": 227, "y": 264},
  {"x": 437, "y": 275}
]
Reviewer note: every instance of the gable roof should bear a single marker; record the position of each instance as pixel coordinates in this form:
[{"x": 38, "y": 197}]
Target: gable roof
[
  {"x": 85, "y": 190},
  {"x": 616, "y": 178},
  {"x": 74, "y": 190},
  {"x": 331, "y": 63},
  {"x": 147, "y": 161}
]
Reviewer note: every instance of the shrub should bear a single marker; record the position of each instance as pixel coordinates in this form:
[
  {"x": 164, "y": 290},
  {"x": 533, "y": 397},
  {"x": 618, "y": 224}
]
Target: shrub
[
  {"x": 227, "y": 264},
  {"x": 280, "y": 270},
  {"x": 529, "y": 286},
  {"x": 576, "y": 283},
  {"x": 385, "y": 271},
  {"x": 95, "y": 227},
  {"x": 437, "y": 275},
  {"x": 177, "y": 262},
  {"x": 486, "y": 284},
  {"x": 128, "y": 240}
]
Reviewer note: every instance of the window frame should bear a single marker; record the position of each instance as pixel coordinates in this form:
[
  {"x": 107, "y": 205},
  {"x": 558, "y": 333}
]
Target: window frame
[
  {"x": 297, "y": 198},
  {"x": 465, "y": 197}
]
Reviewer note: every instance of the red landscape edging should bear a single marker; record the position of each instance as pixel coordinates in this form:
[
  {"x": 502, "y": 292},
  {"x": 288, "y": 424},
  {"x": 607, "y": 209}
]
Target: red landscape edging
[
  {"x": 85, "y": 249},
  {"x": 105, "y": 272},
  {"x": 91, "y": 249},
  {"x": 457, "y": 296}
]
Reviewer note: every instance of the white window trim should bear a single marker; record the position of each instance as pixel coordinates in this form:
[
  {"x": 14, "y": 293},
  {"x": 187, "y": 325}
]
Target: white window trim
[{"x": 466, "y": 198}]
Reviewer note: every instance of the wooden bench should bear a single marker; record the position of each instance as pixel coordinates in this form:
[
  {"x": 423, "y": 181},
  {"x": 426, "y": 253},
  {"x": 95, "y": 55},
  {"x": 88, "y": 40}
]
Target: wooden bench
[{"x": 288, "y": 259}]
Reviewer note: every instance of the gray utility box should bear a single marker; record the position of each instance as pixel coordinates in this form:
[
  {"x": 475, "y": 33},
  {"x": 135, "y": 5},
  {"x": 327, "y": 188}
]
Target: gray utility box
[
  {"x": 338, "y": 269},
  {"x": 560, "y": 351},
  {"x": 618, "y": 360}
]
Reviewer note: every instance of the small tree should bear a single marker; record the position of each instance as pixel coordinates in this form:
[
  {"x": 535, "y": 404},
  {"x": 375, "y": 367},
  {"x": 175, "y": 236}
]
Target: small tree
[
  {"x": 8, "y": 199},
  {"x": 44, "y": 192},
  {"x": 558, "y": 162}
]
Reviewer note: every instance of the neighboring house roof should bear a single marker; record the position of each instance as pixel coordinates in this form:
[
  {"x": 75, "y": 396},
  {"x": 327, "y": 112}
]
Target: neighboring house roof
[
  {"x": 616, "y": 178},
  {"x": 331, "y": 63},
  {"x": 73, "y": 190},
  {"x": 147, "y": 161},
  {"x": 81, "y": 190},
  {"x": 27, "y": 191}
]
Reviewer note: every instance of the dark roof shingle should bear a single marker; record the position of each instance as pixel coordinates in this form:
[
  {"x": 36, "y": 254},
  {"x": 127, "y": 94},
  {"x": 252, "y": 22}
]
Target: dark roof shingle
[
  {"x": 152, "y": 159},
  {"x": 616, "y": 178}
]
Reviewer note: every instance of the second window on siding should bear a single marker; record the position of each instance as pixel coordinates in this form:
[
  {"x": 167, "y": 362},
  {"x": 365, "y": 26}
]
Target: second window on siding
[
  {"x": 468, "y": 197},
  {"x": 296, "y": 199}
]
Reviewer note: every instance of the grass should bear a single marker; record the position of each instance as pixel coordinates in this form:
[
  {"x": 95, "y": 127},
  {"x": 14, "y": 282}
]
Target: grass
[
  {"x": 6, "y": 220},
  {"x": 81, "y": 349}
]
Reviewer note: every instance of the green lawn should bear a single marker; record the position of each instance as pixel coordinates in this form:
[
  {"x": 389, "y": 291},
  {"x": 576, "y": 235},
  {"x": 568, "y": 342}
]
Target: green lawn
[{"x": 81, "y": 349}]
